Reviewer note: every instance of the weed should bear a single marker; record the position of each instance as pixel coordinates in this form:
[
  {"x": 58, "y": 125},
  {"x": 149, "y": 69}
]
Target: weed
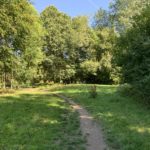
[{"x": 93, "y": 91}]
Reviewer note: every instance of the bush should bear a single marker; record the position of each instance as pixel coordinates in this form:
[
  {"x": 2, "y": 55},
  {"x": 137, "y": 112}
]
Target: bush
[
  {"x": 140, "y": 90},
  {"x": 93, "y": 91},
  {"x": 143, "y": 88},
  {"x": 126, "y": 89}
]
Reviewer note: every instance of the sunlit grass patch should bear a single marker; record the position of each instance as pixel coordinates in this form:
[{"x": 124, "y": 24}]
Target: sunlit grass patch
[
  {"x": 126, "y": 122},
  {"x": 36, "y": 120}
]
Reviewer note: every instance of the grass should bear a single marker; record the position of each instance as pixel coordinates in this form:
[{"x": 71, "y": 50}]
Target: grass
[
  {"x": 35, "y": 120},
  {"x": 125, "y": 121}
]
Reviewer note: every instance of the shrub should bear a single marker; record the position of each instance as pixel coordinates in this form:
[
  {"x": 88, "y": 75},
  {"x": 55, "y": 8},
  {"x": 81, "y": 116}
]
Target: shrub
[
  {"x": 126, "y": 89},
  {"x": 143, "y": 88},
  {"x": 93, "y": 91},
  {"x": 140, "y": 90}
]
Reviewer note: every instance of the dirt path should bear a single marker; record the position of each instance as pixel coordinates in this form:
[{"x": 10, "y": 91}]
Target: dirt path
[{"x": 89, "y": 127}]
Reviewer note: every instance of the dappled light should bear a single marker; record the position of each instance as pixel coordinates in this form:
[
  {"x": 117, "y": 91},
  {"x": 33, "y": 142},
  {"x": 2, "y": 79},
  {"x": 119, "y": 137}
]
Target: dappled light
[
  {"x": 28, "y": 119},
  {"x": 75, "y": 82},
  {"x": 86, "y": 117},
  {"x": 140, "y": 129},
  {"x": 124, "y": 120}
]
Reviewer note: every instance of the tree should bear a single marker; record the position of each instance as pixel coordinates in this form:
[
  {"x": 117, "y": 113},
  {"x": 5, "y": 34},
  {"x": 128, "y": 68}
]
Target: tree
[
  {"x": 57, "y": 44},
  {"x": 89, "y": 71},
  {"x": 106, "y": 36},
  {"x": 81, "y": 38},
  {"x": 134, "y": 52},
  {"x": 20, "y": 38},
  {"x": 124, "y": 10},
  {"x": 102, "y": 19},
  {"x": 83, "y": 43}
]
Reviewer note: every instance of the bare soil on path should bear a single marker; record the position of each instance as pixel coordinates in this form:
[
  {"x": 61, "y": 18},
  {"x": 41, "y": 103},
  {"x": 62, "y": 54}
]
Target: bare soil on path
[{"x": 90, "y": 129}]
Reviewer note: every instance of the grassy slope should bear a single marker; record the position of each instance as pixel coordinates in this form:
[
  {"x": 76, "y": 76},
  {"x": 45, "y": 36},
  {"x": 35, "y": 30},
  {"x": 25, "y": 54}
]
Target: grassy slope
[
  {"x": 126, "y": 123},
  {"x": 38, "y": 121}
]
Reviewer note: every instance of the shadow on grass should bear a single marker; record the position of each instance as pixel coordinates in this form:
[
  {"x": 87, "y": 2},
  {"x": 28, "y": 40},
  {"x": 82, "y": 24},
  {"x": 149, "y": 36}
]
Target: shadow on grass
[
  {"x": 29, "y": 121},
  {"x": 126, "y": 122}
]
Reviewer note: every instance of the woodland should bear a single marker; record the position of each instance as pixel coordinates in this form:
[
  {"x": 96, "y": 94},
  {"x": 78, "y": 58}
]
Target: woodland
[{"x": 52, "y": 47}]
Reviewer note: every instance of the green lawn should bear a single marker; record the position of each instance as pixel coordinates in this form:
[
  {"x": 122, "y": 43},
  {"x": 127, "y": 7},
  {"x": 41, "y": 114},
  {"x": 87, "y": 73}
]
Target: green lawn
[
  {"x": 125, "y": 121},
  {"x": 33, "y": 120}
]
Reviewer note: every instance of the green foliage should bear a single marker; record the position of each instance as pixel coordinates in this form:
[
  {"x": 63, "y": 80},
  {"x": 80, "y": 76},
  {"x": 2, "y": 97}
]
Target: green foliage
[
  {"x": 93, "y": 91},
  {"x": 84, "y": 40},
  {"x": 20, "y": 38},
  {"x": 89, "y": 67},
  {"x": 68, "y": 50},
  {"x": 126, "y": 90},
  {"x": 142, "y": 89},
  {"x": 134, "y": 55},
  {"x": 106, "y": 38},
  {"x": 123, "y": 12},
  {"x": 102, "y": 19},
  {"x": 68, "y": 43},
  {"x": 57, "y": 39},
  {"x": 81, "y": 35}
]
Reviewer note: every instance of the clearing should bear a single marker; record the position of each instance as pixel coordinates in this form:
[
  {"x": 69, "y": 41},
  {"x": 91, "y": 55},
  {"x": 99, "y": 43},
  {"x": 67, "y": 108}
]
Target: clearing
[
  {"x": 35, "y": 120},
  {"x": 125, "y": 121}
]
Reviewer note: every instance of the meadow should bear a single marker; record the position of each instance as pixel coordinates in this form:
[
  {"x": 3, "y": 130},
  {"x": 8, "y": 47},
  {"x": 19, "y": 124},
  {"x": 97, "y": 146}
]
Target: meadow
[
  {"x": 125, "y": 121},
  {"x": 31, "y": 119},
  {"x": 34, "y": 118}
]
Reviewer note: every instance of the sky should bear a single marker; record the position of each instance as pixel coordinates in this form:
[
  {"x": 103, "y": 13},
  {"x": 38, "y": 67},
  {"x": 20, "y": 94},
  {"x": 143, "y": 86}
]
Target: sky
[{"x": 73, "y": 7}]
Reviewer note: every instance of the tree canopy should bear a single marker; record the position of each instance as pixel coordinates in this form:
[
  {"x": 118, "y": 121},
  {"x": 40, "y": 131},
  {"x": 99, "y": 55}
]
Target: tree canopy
[
  {"x": 54, "y": 47},
  {"x": 20, "y": 38}
]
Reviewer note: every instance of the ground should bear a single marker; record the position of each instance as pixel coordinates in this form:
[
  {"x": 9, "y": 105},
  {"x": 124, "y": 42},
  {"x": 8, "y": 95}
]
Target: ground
[
  {"x": 34, "y": 119},
  {"x": 125, "y": 121},
  {"x": 89, "y": 127}
]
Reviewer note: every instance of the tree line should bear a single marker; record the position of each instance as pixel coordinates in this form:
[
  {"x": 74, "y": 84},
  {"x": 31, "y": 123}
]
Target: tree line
[{"x": 53, "y": 47}]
